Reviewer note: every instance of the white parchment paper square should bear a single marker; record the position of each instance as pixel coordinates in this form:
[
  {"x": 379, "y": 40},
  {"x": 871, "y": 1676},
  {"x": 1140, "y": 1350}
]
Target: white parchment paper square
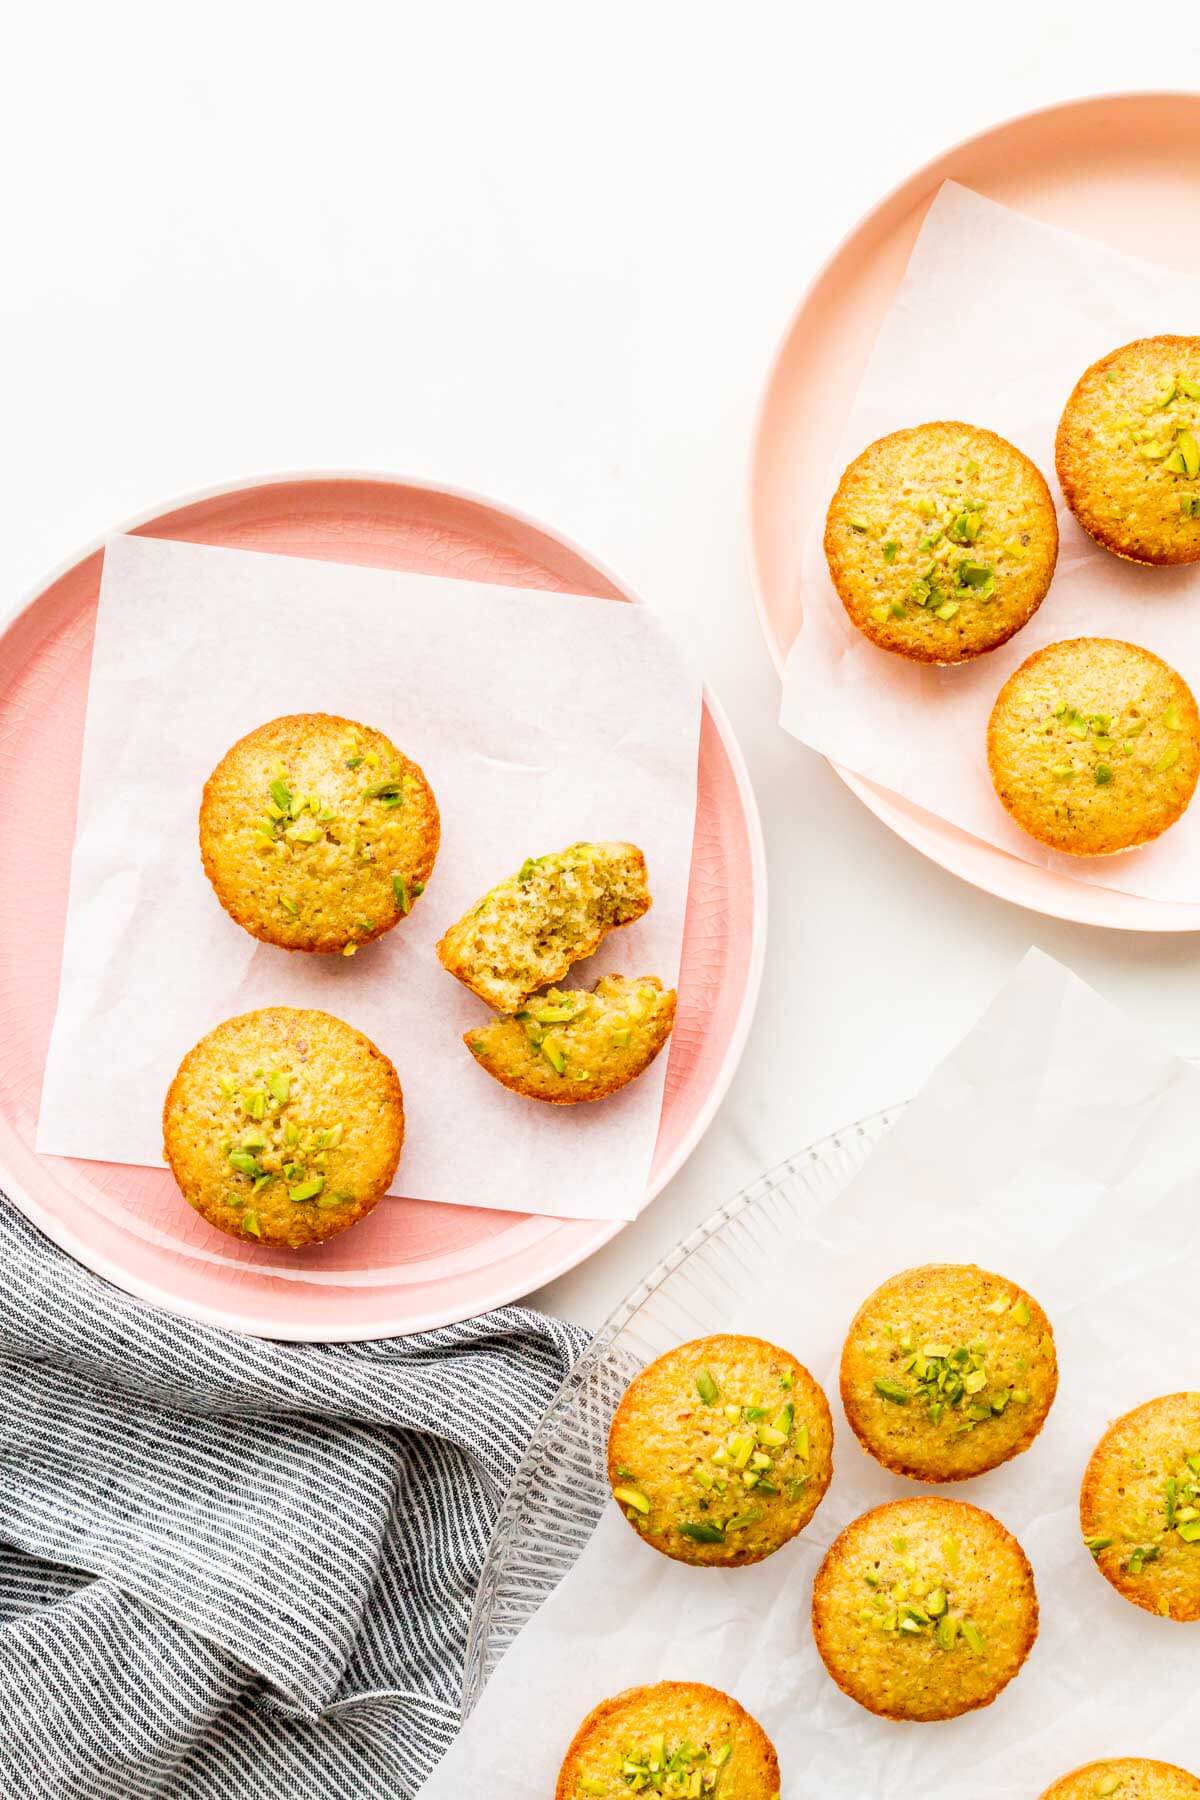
[
  {"x": 540, "y": 719},
  {"x": 1054, "y": 1145},
  {"x": 997, "y": 317}
]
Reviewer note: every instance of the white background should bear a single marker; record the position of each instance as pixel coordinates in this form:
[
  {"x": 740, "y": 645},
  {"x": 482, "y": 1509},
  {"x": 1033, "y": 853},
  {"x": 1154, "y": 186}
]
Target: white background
[{"x": 545, "y": 251}]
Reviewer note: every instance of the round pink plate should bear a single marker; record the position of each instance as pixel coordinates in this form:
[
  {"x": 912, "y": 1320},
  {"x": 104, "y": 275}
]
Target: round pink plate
[
  {"x": 411, "y": 1265},
  {"x": 1124, "y": 169}
]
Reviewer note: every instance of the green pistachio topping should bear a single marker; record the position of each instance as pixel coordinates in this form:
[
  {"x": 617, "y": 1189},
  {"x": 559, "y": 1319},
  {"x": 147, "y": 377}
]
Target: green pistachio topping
[
  {"x": 244, "y": 1163},
  {"x": 707, "y": 1388},
  {"x": 893, "y": 1391},
  {"x": 701, "y": 1532},
  {"x": 307, "y": 1190},
  {"x": 250, "y": 1223},
  {"x": 632, "y": 1497}
]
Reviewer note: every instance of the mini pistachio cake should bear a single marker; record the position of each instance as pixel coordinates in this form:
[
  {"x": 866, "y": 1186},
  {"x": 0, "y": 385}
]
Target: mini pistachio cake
[
  {"x": 947, "y": 1371},
  {"x": 924, "y": 1609},
  {"x": 284, "y": 1126},
  {"x": 721, "y": 1450},
  {"x": 677, "y": 1738},
  {"x": 1094, "y": 746},
  {"x": 1128, "y": 450},
  {"x": 1126, "y": 1778},
  {"x": 941, "y": 541},
  {"x": 1139, "y": 1507},
  {"x": 569, "y": 1045},
  {"x": 317, "y": 833},
  {"x": 527, "y": 931}
]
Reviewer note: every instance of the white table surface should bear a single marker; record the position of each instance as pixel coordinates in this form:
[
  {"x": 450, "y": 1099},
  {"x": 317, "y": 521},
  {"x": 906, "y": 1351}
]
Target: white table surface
[{"x": 544, "y": 251}]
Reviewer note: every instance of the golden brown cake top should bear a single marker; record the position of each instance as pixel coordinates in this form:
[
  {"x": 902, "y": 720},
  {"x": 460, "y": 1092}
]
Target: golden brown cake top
[
  {"x": 721, "y": 1450},
  {"x": 1126, "y": 1778},
  {"x": 1094, "y": 745},
  {"x": 941, "y": 541},
  {"x": 573, "y": 1044},
  {"x": 924, "y": 1609},
  {"x": 284, "y": 1125},
  {"x": 1139, "y": 1505},
  {"x": 317, "y": 833},
  {"x": 679, "y": 1739},
  {"x": 948, "y": 1370},
  {"x": 1128, "y": 450}
]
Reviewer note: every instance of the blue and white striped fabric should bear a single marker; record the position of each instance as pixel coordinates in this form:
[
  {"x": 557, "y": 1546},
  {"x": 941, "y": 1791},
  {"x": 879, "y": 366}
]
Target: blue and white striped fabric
[{"x": 235, "y": 1569}]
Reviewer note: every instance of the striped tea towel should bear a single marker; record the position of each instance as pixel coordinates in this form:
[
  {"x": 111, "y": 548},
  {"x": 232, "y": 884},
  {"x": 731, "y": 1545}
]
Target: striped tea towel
[{"x": 233, "y": 1569}]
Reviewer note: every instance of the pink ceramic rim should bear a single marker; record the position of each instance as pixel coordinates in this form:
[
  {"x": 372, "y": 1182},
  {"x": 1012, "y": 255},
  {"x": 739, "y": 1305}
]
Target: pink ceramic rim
[
  {"x": 979, "y": 864},
  {"x": 542, "y": 1263}
]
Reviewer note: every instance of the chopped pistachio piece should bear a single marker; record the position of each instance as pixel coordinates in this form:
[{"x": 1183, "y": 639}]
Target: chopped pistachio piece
[
  {"x": 250, "y": 1223},
  {"x": 401, "y": 892},
  {"x": 701, "y": 1532},
  {"x": 858, "y": 523},
  {"x": 280, "y": 1086},
  {"x": 740, "y": 1520},
  {"x": 972, "y": 1638},
  {"x": 889, "y": 550},
  {"x": 244, "y": 1163},
  {"x": 707, "y": 1388},
  {"x": 947, "y": 609},
  {"x": 1165, "y": 761},
  {"x": 632, "y": 1497},
  {"x": 893, "y": 1391},
  {"x": 307, "y": 1190}
]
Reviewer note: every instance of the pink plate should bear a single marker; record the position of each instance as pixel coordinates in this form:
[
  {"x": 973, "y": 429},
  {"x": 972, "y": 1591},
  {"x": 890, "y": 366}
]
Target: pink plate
[
  {"x": 1124, "y": 169},
  {"x": 411, "y": 1265}
]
